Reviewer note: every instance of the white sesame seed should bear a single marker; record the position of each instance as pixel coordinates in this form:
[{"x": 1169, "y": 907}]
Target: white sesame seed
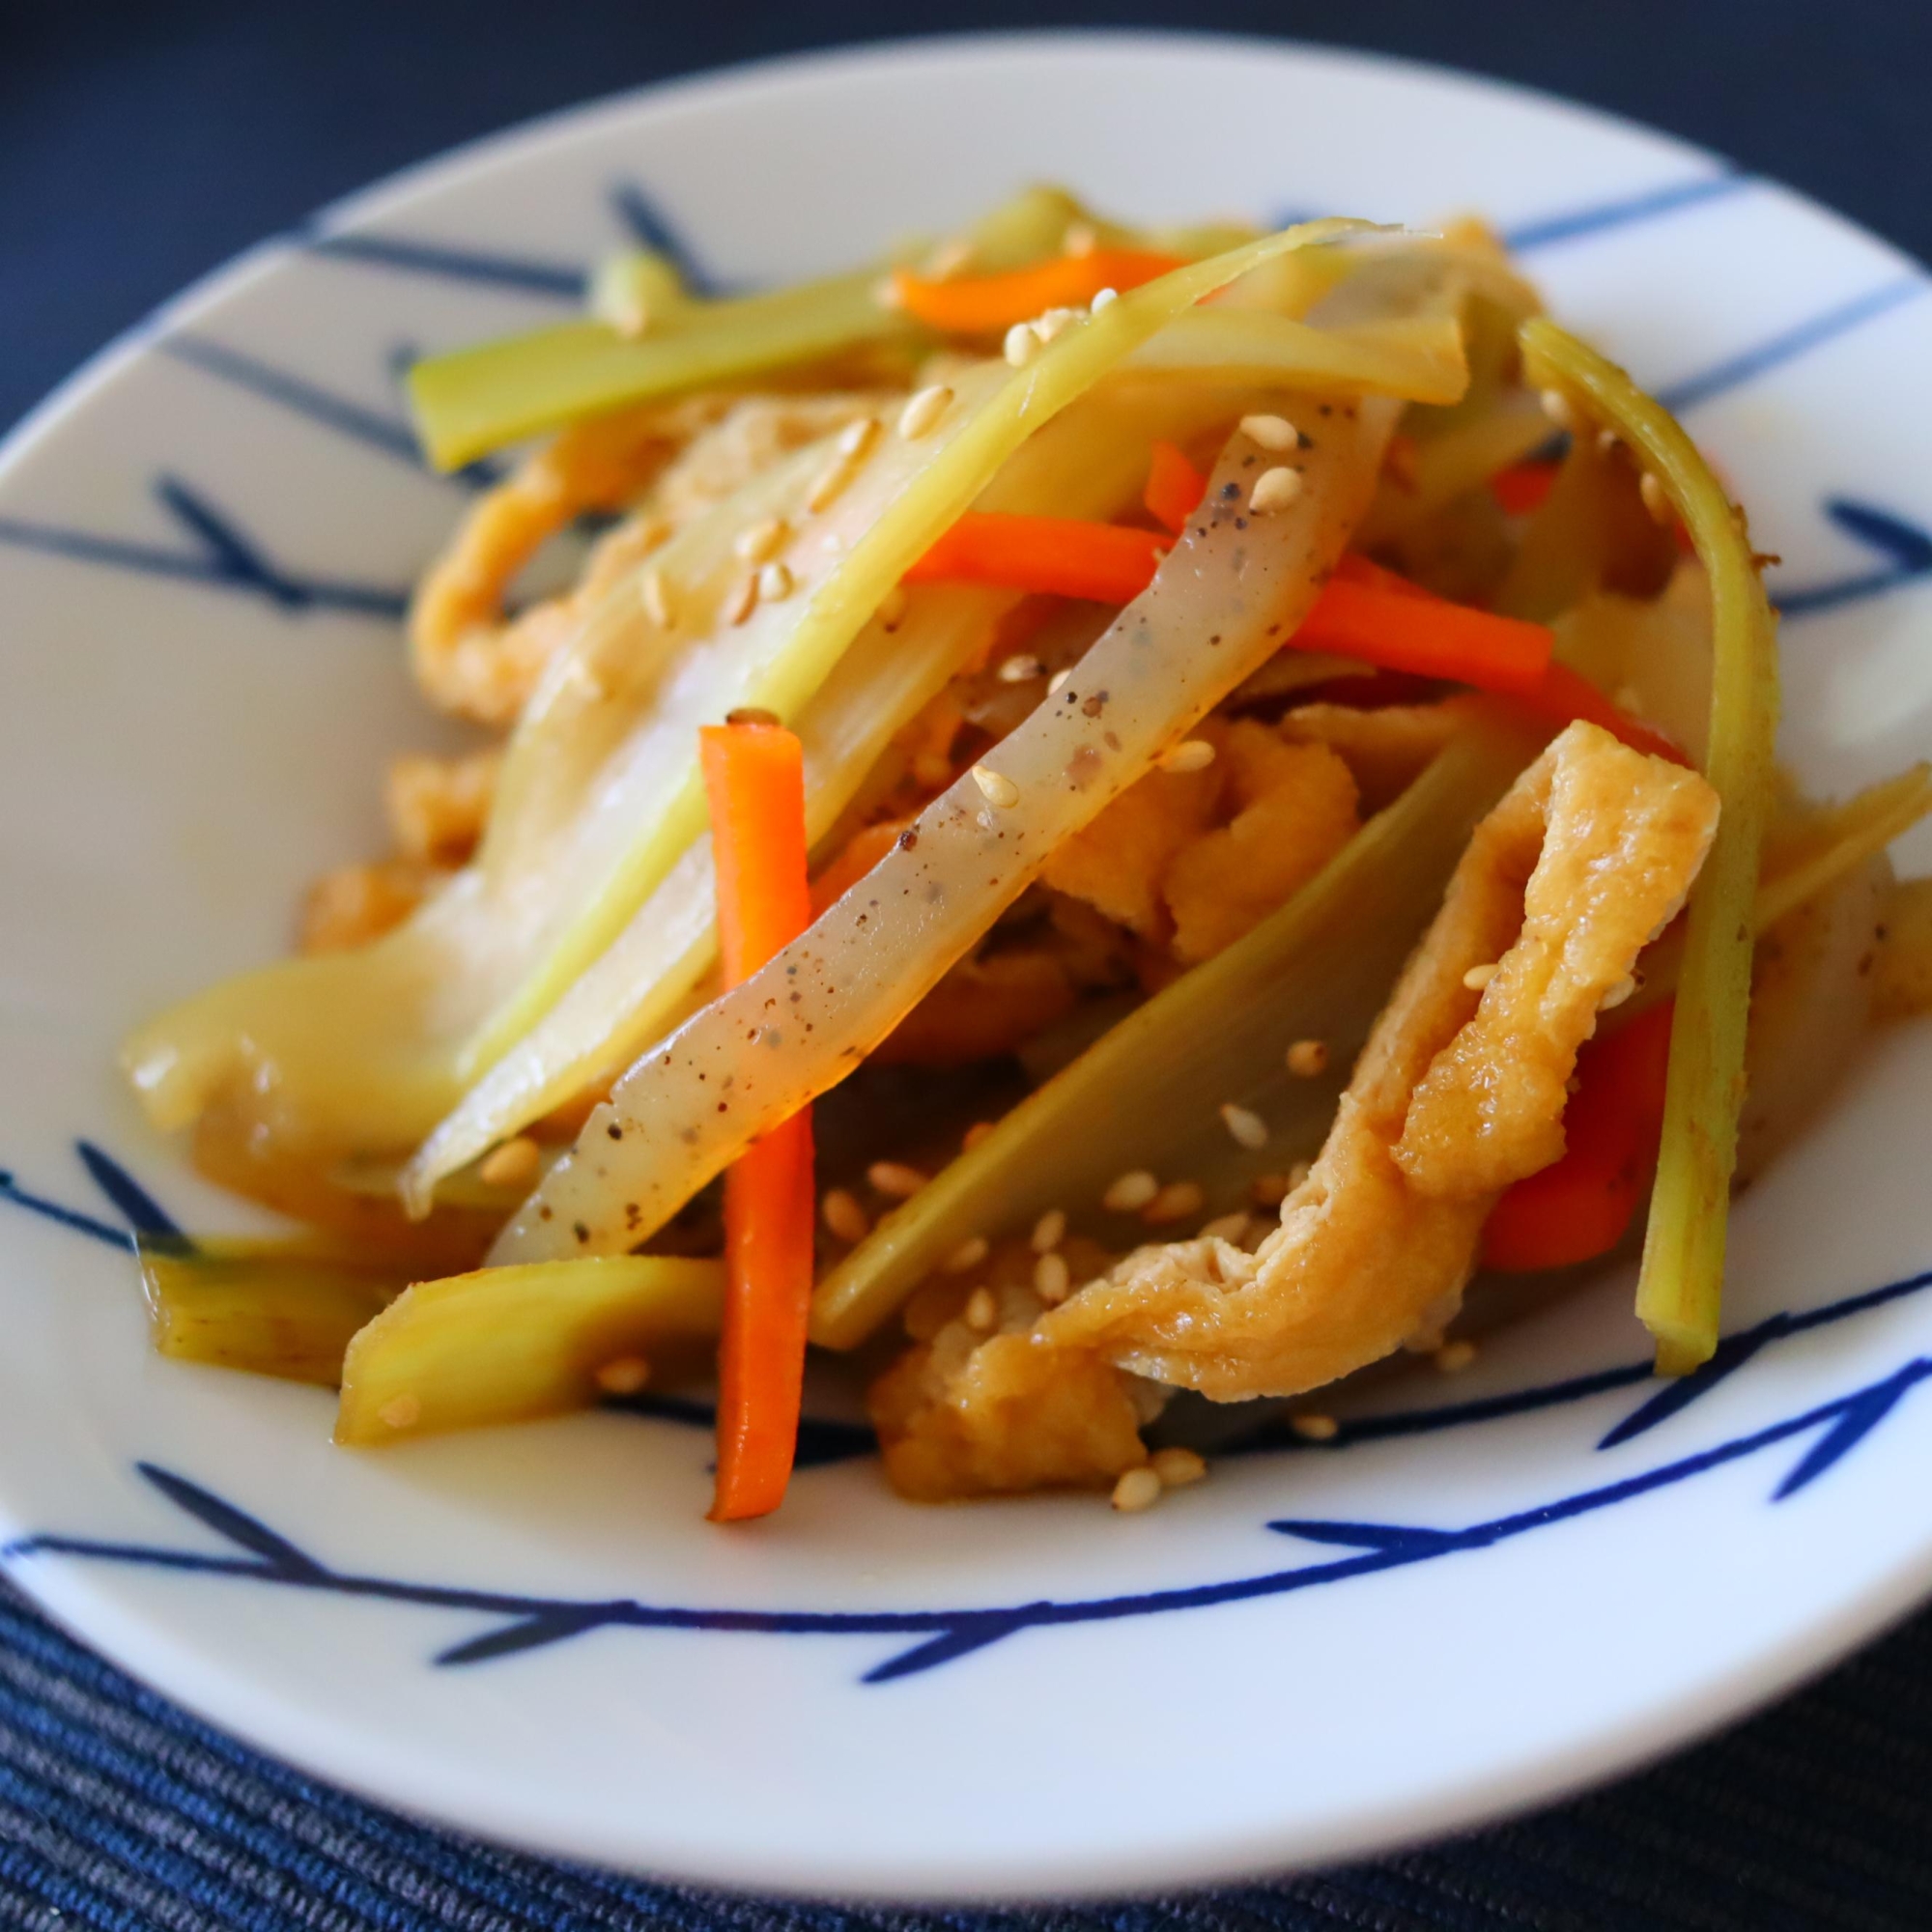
[
  {"x": 924, "y": 412},
  {"x": 1453, "y": 1357},
  {"x": 1656, "y": 497},
  {"x": 1618, "y": 993},
  {"x": 896, "y": 1178},
  {"x": 996, "y": 787},
  {"x": 740, "y": 601},
  {"x": 1176, "y": 1467},
  {"x": 1052, "y": 322},
  {"x": 1051, "y": 1279},
  {"x": 1271, "y": 432},
  {"x": 967, "y": 1255},
  {"x": 1246, "y": 1125},
  {"x": 403, "y": 1411},
  {"x": 981, "y": 1310},
  {"x": 975, "y": 1135},
  {"x": 1191, "y": 755},
  {"x": 1231, "y": 1228},
  {"x": 893, "y": 607},
  {"x": 1021, "y": 345},
  {"x": 514, "y": 1164},
  {"x": 855, "y": 437},
  {"x": 625, "y": 1375},
  {"x": 1174, "y": 1202},
  {"x": 656, "y": 595},
  {"x": 1315, "y": 1428},
  {"x": 1274, "y": 490},
  {"x": 1558, "y": 408},
  {"x": 1020, "y": 668},
  {"x": 1138, "y": 1490},
  {"x": 1131, "y": 1192},
  {"x": 1479, "y": 977},
  {"x": 761, "y": 540},
  {"x": 1082, "y": 238},
  {"x": 775, "y": 583},
  {"x": 828, "y": 485},
  {"x": 1308, "y": 1057},
  {"x": 1049, "y": 1231},
  {"x": 1056, "y": 683},
  {"x": 1268, "y": 1190},
  {"x": 844, "y": 1216},
  {"x": 1103, "y": 299}
]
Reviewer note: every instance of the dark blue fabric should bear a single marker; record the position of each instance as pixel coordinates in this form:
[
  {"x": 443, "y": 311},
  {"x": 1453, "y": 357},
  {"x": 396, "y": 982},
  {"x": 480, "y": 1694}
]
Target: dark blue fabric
[{"x": 140, "y": 144}]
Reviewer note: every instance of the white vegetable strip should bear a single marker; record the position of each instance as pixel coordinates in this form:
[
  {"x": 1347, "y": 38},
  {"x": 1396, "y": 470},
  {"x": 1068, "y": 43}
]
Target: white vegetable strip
[{"x": 1228, "y": 594}]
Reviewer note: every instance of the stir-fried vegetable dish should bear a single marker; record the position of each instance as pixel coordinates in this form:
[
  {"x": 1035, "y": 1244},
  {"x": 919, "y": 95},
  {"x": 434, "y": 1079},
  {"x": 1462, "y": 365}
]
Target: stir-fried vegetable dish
[{"x": 1111, "y": 821}]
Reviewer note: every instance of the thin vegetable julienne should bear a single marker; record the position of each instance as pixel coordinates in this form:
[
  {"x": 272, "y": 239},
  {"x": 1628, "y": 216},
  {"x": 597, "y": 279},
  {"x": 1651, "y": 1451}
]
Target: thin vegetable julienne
[
  {"x": 754, "y": 778},
  {"x": 982, "y": 305},
  {"x": 1174, "y": 489},
  {"x": 1681, "y": 1285}
]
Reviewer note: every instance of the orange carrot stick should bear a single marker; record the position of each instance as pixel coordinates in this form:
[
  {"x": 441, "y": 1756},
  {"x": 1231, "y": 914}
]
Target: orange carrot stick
[
  {"x": 1578, "y": 1207},
  {"x": 1523, "y": 487},
  {"x": 1396, "y": 630},
  {"x": 754, "y": 780},
  {"x": 981, "y": 305},
  {"x": 1101, "y": 563},
  {"x": 1174, "y": 489}
]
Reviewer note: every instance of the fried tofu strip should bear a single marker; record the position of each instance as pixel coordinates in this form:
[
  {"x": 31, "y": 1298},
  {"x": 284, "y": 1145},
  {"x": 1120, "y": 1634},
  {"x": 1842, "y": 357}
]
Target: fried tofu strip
[{"x": 1459, "y": 1091}]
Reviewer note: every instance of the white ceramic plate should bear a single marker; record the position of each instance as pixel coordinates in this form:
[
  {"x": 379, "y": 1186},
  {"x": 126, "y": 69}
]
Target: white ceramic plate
[{"x": 1484, "y": 1593}]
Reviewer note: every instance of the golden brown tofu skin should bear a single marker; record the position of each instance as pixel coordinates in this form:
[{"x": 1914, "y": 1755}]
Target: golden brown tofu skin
[{"x": 1459, "y": 1091}]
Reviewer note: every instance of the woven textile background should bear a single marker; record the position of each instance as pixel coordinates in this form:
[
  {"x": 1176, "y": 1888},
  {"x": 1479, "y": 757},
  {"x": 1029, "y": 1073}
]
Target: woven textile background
[{"x": 140, "y": 143}]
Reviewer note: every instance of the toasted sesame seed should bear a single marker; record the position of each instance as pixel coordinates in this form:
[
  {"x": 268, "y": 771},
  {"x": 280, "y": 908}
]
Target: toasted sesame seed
[
  {"x": 1138, "y": 1490},
  {"x": 1191, "y": 755},
  {"x": 1051, "y": 1279},
  {"x": 1308, "y": 1057},
  {"x": 1049, "y": 1231},
  {"x": 1479, "y": 977},
  {"x": 1082, "y": 238},
  {"x": 763, "y": 539},
  {"x": 1656, "y": 497},
  {"x": 1052, "y": 322},
  {"x": 1618, "y": 993},
  {"x": 829, "y": 484},
  {"x": 1556, "y": 406},
  {"x": 1226, "y": 1227},
  {"x": 975, "y": 1135},
  {"x": 656, "y": 595},
  {"x": 1246, "y": 1125},
  {"x": 855, "y": 437},
  {"x": 1022, "y": 667},
  {"x": 1103, "y": 299},
  {"x": 896, "y": 1178},
  {"x": 924, "y": 412},
  {"x": 1131, "y": 1192},
  {"x": 1315, "y": 1428},
  {"x": 1271, "y": 432},
  {"x": 1268, "y": 1190},
  {"x": 751, "y": 714},
  {"x": 1176, "y": 1467},
  {"x": 1453, "y": 1357},
  {"x": 775, "y": 583},
  {"x": 1607, "y": 441},
  {"x": 981, "y": 1310},
  {"x": 1056, "y": 683},
  {"x": 1274, "y": 490},
  {"x": 1299, "y": 1172},
  {"x": 514, "y": 1164},
  {"x": 402, "y": 1411},
  {"x": 1174, "y": 1202},
  {"x": 967, "y": 1255},
  {"x": 1021, "y": 345},
  {"x": 844, "y": 1216},
  {"x": 893, "y": 607},
  {"x": 625, "y": 1375},
  {"x": 996, "y": 787},
  {"x": 740, "y": 601}
]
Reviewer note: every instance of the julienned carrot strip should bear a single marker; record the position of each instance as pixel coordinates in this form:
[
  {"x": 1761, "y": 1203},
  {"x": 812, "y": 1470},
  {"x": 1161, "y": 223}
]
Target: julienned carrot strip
[
  {"x": 1565, "y": 695},
  {"x": 1523, "y": 487},
  {"x": 1174, "y": 489},
  {"x": 1577, "y": 1207},
  {"x": 754, "y": 780},
  {"x": 1398, "y": 631},
  {"x": 981, "y": 305},
  {"x": 1102, "y": 562}
]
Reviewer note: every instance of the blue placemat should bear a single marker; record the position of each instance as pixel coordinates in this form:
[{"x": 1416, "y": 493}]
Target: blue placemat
[{"x": 141, "y": 145}]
